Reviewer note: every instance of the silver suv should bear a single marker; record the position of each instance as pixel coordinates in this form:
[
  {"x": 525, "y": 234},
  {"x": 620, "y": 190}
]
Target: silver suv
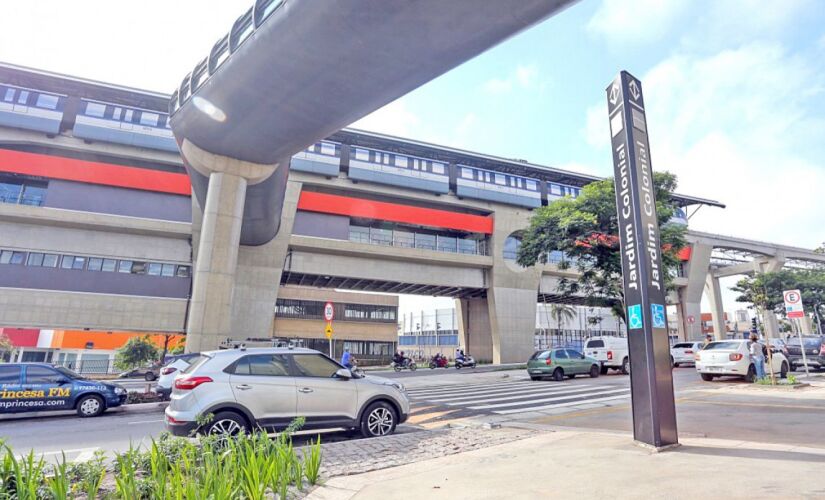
[{"x": 244, "y": 389}]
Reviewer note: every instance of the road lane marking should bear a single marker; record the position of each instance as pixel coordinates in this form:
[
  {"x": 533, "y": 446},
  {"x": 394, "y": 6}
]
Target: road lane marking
[
  {"x": 522, "y": 395},
  {"x": 548, "y": 400},
  {"x": 135, "y": 422},
  {"x": 758, "y": 405},
  {"x": 560, "y": 405}
]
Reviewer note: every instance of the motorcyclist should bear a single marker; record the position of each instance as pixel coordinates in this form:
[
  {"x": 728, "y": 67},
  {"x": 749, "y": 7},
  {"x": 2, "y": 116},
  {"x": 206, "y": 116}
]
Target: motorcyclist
[
  {"x": 346, "y": 359},
  {"x": 398, "y": 358}
]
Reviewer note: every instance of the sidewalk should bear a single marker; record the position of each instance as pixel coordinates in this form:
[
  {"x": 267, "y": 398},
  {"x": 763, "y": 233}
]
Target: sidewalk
[{"x": 575, "y": 464}]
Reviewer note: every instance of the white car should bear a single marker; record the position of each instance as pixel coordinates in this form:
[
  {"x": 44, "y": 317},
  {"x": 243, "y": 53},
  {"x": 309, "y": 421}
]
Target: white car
[
  {"x": 174, "y": 366},
  {"x": 732, "y": 357},
  {"x": 612, "y": 353},
  {"x": 684, "y": 353},
  {"x": 238, "y": 390}
]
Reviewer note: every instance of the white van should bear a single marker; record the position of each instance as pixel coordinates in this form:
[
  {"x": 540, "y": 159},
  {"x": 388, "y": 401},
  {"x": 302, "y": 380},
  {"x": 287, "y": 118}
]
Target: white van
[{"x": 612, "y": 352}]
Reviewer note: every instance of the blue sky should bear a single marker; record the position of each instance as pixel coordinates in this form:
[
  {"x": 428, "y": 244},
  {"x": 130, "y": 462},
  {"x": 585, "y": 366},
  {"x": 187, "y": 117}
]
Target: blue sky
[{"x": 735, "y": 90}]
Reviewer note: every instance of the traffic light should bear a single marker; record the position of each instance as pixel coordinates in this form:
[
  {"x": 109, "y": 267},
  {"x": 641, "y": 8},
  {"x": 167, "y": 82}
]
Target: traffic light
[{"x": 754, "y": 329}]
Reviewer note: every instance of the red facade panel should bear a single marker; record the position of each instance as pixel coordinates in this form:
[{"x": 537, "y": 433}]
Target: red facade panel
[
  {"x": 71, "y": 169},
  {"x": 393, "y": 212},
  {"x": 22, "y": 337}
]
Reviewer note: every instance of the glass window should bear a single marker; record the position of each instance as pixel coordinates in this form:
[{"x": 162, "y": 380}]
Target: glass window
[
  {"x": 531, "y": 185},
  {"x": 540, "y": 355},
  {"x": 138, "y": 268},
  {"x": 116, "y": 113},
  {"x": 9, "y": 375},
  {"x": 95, "y": 109},
  {"x": 78, "y": 262},
  {"x": 47, "y": 101},
  {"x": 327, "y": 149},
  {"x": 23, "y": 97},
  {"x": 35, "y": 259},
  {"x": 17, "y": 258},
  {"x": 555, "y": 189},
  {"x": 5, "y": 257},
  {"x": 183, "y": 272},
  {"x": 266, "y": 365},
  {"x": 33, "y": 195},
  {"x": 380, "y": 236},
  {"x": 362, "y": 154},
  {"x": 124, "y": 266},
  {"x": 511, "y": 246},
  {"x": 403, "y": 239},
  {"x": 446, "y": 243},
  {"x": 425, "y": 241},
  {"x": 42, "y": 375},
  {"x": 314, "y": 365},
  {"x": 359, "y": 234},
  {"x": 733, "y": 346},
  {"x": 438, "y": 168},
  {"x": 595, "y": 343},
  {"x": 154, "y": 269},
  {"x": 9, "y": 96},
  {"x": 50, "y": 260},
  {"x": 149, "y": 119},
  {"x": 127, "y": 117},
  {"x": 109, "y": 265},
  {"x": 500, "y": 179},
  {"x": 168, "y": 270},
  {"x": 573, "y": 354},
  {"x": 401, "y": 161},
  {"x": 560, "y": 354},
  {"x": 467, "y": 246},
  {"x": 95, "y": 264},
  {"x": 466, "y": 173},
  {"x": 10, "y": 192}
]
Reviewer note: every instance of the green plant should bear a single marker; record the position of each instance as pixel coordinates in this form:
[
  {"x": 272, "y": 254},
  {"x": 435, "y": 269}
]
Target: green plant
[
  {"x": 29, "y": 475},
  {"x": 792, "y": 380},
  {"x": 312, "y": 462},
  {"x": 136, "y": 352},
  {"x": 59, "y": 483},
  {"x": 126, "y": 474},
  {"x": 764, "y": 381},
  {"x": 86, "y": 477}
]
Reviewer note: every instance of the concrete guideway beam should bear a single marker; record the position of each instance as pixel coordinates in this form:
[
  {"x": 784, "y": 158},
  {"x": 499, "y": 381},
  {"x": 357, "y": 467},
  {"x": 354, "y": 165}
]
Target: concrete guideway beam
[{"x": 717, "y": 309}]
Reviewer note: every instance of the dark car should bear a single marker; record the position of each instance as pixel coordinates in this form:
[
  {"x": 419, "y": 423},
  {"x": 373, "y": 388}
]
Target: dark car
[
  {"x": 148, "y": 373},
  {"x": 814, "y": 352},
  {"x": 28, "y": 387}
]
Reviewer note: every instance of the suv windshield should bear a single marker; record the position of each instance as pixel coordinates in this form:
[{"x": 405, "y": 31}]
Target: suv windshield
[{"x": 723, "y": 345}]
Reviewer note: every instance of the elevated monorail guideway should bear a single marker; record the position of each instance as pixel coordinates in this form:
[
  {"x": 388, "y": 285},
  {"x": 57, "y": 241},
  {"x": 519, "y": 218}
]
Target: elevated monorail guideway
[{"x": 292, "y": 72}]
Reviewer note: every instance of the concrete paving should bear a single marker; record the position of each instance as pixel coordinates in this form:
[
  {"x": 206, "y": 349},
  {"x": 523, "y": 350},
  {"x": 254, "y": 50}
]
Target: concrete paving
[{"x": 580, "y": 464}]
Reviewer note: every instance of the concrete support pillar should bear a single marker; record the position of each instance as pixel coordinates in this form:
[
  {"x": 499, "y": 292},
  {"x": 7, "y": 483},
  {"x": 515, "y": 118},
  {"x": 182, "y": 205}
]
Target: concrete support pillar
[
  {"x": 717, "y": 309},
  {"x": 474, "y": 329},
  {"x": 512, "y": 313},
  {"x": 806, "y": 325},
  {"x": 690, "y": 296},
  {"x": 771, "y": 265},
  {"x": 211, "y": 308}
]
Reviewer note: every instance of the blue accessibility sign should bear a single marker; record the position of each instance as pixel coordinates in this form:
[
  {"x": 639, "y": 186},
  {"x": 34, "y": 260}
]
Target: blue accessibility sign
[
  {"x": 634, "y": 317},
  {"x": 657, "y": 313}
]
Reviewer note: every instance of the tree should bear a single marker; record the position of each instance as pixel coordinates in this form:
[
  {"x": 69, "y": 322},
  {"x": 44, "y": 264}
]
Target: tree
[
  {"x": 765, "y": 291},
  {"x": 136, "y": 352},
  {"x": 179, "y": 348},
  {"x": 562, "y": 313},
  {"x": 6, "y": 347},
  {"x": 167, "y": 337},
  {"x": 586, "y": 230}
]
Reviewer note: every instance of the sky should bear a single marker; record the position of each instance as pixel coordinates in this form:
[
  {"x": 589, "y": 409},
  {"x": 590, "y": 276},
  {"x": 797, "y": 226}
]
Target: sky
[{"x": 734, "y": 89}]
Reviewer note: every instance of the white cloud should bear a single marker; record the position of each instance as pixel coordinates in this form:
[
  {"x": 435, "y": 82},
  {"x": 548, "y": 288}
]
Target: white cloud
[
  {"x": 596, "y": 132},
  {"x": 524, "y": 77},
  {"x": 635, "y": 21},
  {"x": 392, "y": 119}
]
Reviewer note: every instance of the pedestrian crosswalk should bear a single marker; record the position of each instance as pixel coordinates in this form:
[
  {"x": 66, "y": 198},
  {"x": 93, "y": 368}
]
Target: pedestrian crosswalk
[{"x": 517, "y": 396}]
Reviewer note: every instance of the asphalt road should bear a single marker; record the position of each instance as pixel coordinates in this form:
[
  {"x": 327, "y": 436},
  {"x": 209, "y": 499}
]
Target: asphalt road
[{"x": 716, "y": 409}]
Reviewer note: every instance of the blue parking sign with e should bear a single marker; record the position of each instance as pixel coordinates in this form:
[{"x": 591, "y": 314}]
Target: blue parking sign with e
[
  {"x": 657, "y": 314},
  {"x": 634, "y": 317}
]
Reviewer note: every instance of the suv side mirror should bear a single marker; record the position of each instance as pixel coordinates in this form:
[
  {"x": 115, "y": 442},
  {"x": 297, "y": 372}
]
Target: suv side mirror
[{"x": 343, "y": 373}]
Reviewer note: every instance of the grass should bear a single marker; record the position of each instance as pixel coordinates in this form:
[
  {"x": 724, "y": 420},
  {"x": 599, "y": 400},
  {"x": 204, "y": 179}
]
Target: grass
[{"x": 250, "y": 467}]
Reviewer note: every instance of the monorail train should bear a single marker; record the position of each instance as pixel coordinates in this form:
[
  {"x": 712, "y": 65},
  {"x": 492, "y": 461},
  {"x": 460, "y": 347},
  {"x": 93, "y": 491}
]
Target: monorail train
[
  {"x": 31, "y": 109},
  {"x": 99, "y": 121},
  {"x": 497, "y": 186},
  {"x": 398, "y": 170}
]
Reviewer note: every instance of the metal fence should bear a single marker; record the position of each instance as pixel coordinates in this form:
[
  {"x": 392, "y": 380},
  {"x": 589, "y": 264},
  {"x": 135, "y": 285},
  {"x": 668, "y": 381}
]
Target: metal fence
[
  {"x": 574, "y": 339},
  {"x": 90, "y": 366}
]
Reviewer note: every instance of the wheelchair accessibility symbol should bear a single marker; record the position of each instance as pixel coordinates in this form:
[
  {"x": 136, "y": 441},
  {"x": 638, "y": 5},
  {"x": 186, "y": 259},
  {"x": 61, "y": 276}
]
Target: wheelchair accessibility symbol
[
  {"x": 657, "y": 313},
  {"x": 634, "y": 317}
]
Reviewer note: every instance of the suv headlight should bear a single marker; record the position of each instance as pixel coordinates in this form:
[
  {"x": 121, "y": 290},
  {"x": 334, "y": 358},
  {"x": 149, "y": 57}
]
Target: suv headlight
[
  {"x": 398, "y": 385},
  {"x": 120, "y": 391}
]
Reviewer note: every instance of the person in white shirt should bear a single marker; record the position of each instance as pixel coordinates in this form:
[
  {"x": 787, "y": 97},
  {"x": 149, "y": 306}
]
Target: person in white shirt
[{"x": 757, "y": 357}]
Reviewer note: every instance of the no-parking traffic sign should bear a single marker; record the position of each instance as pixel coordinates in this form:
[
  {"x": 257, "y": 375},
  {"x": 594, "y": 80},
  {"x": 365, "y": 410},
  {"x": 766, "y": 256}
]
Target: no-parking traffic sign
[{"x": 793, "y": 304}]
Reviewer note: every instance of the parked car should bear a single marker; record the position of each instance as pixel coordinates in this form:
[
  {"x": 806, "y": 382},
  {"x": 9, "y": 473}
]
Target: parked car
[
  {"x": 148, "y": 373},
  {"x": 244, "y": 389},
  {"x": 684, "y": 353},
  {"x": 814, "y": 352},
  {"x": 612, "y": 353},
  {"x": 561, "y": 362},
  {"x": 732, "y": 357},
  {"x": 782, "y": 346},
  {"x": 175, "y": 364},
  {"x": 28, "y": 387}
]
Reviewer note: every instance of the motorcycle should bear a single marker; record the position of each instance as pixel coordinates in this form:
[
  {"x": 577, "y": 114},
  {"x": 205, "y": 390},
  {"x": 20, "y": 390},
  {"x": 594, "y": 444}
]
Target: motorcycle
[
  {"x": 465, "y": 362},
  {"x": 438, "y": 362},
  {"x": 407, "y": 363}
]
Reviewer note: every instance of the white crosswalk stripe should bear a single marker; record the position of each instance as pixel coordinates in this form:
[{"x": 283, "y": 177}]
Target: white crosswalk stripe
[{"x": 519, "y": 396}]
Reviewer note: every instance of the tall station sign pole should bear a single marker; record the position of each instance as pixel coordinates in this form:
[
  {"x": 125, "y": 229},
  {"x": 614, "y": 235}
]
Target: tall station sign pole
[{"x": 651, "y": 378}]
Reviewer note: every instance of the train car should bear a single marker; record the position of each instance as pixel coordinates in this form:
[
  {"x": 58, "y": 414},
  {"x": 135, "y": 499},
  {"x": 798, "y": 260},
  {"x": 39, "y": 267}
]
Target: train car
[
  {"x": 99, "y": 121},
  {"x": 31, "y": 109},
  {"x": 556, "y": 191},
  {"x": 680, "y": 217},
  {"x": 511, "y": 189},
  {"x": 398, "y": 170},
  {"x": 321, "y": 158}
]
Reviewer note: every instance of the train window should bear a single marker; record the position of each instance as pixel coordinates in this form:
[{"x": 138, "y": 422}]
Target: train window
[
  {"x": 183, "y": 272},
  {"x": 327, "y": 149},
  {"x": 95, "y": 264},
  {"x": 116, "y": 113},
  {"x": 362, "y": 154},
  {"x": 35, "y": 259},
  {"x": 265, "y": 8},
  {"x": 555, "y": 189},
  {"x": 401, "y": 161},
  {"x": 124, "y": 266},
  {"x": 466, "y": 173},
  {"x": 154, "y": 269},
  {"x": 531, "y": 185},
  {"x": 438, "y": 168},
  {"x": 50, "y": 260},
  {"x": 9, "y": 95},
  {"x": 185, "y": 89},
  {"x": 218, "y": 54},
  {"x": 500, "y": 179},
  {"x": 241, "y": 30},
  {"x": 47, "y": 101},
  {"x": 109, "y": 265},
  {"x": 198, "y": 75},
  {"x": 127, "y": 117},
  {"x": 149, "y": 119},
  {"x": 95, "y": 109},
  {"x": 23, "y": 97},
  {"x": 173, "y": 102},
  {"x": 168, "y": 270}
]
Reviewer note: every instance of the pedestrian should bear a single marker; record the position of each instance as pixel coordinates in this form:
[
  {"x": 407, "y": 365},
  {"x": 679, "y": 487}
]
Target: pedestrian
[
  {"x": 708, "y": 340},
  {"x": 757, "y": 356}
]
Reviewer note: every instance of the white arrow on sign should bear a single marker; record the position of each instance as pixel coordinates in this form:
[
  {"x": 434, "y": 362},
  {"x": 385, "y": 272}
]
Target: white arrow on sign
[
  {"x": 614, "y": 94},
  {"x": 634, "y": 90}
]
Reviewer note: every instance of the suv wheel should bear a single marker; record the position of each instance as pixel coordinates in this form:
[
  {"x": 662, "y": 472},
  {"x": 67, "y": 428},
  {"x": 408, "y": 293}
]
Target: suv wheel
[
  {"x": 227, "y": 423},
  {"x": 90, "y": 406},
  {"x": 378, "y": 420},
  {"x": 626, "y": 366}
]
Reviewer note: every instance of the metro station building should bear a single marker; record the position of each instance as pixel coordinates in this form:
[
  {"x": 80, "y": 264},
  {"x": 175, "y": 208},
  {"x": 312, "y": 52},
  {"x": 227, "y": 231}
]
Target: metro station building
[{"x": 99, "y": 230}]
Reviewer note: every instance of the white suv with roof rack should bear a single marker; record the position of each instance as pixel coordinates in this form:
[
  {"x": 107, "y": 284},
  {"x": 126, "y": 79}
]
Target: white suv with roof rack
[{"x": 238, "y": 390}]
